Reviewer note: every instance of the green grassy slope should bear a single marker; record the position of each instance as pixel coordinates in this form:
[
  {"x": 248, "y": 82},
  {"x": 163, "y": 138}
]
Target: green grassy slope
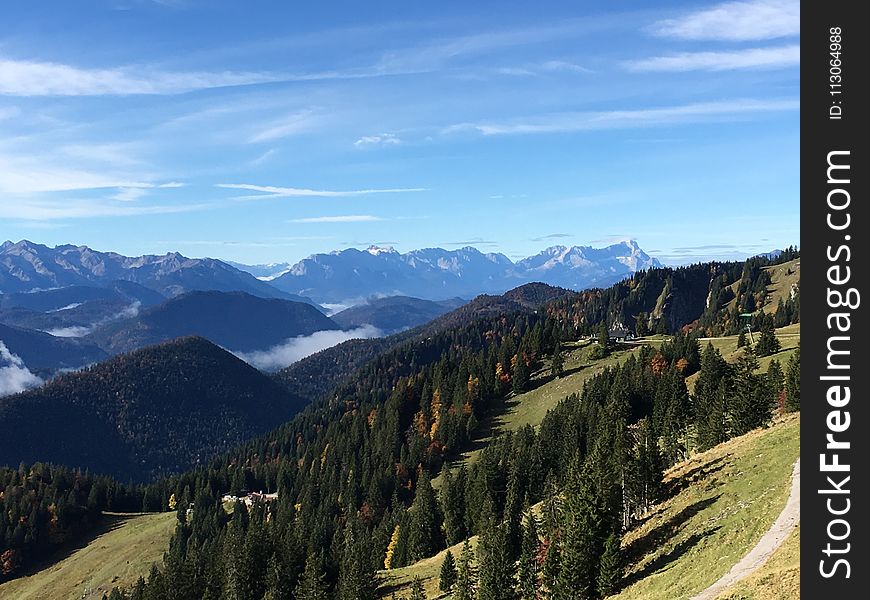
[
  {"x": 724, "y": 500},
  {"x": 117, "y": 556},
  {"x": 530, "y": 407},
  {"x": 789, "y": 337},
  {"x": 720, "y": 504},
  {"x": 777, "y": 579}
]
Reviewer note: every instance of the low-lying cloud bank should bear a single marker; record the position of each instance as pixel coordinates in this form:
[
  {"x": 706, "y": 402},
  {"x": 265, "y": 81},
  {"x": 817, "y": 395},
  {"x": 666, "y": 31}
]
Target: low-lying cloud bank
[
  {"x": 77, "y": 331},
  {"x": 14, "y": 376},
  {"x": 297, "y": 348}
]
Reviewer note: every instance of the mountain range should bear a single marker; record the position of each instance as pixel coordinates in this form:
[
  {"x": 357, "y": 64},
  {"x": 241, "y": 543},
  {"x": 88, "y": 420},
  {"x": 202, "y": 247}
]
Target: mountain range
[
  {"x": 438, "y": 274},
  {"x": 26, "y": 266},
  {"x": 347, "y": 277}
]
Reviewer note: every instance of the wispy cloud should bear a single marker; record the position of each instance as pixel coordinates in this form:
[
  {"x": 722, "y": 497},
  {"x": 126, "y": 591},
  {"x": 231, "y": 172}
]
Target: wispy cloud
[
  {"x": 116, "y": 155},
  {"x": 294, "y": 124},
  {"x": 264, "y": 156},
  {"x": 613, "y": 238},
  {"x": 338, "y": 219},
  {"x": 129, "y": 194},
  {"x": 751, "y": 58},
  {"x": 28, "y": 174},
  {"x": 737, "y": 21},
  {"x": 27, "y": 208},
  {"x": 36, "y": 78},
  {"x": 381, "y": 139},
  {"x": 552, "y": 236},
  {"x": 621, "y": 119},
  {"x": 270, "y": 191},
  {"x": 562, "y": 65},
  {"x": 472, "y": 242},
  {"x": 550, "y": 66}
]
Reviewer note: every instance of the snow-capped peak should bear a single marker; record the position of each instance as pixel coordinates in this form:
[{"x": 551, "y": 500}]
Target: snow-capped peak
[{"x": 378, "y": 250}]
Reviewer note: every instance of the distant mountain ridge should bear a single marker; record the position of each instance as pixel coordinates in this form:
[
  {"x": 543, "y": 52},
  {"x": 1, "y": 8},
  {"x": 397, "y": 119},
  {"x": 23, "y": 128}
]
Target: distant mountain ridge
[
  {"x": 438, "y": 274},
  {"x": 234, "y": 320},
  {"x": 394, "y": 313},
  {"x": 26, "y": 266}
]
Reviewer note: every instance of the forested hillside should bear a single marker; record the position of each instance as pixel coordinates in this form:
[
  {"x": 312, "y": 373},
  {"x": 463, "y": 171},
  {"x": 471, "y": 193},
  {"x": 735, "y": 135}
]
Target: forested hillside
[{"x": 160, "y": 409}]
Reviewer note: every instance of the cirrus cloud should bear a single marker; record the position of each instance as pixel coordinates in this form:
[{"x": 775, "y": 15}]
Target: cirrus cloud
[
  {"x": 736, "y": 21},
  {"x": 751, "y": 58}
]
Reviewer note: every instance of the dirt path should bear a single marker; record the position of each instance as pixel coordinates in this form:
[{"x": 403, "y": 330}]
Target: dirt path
[{"x": 767, "y": 545}]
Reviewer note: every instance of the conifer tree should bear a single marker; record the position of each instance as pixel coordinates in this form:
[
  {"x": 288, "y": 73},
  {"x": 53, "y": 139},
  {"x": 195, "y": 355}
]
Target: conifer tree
[
  {"x": 520, "y": 375},
  {"x": 357, "y": 579},
  {"x": 312, "y": 584},
  {"x": 610, "y": 569},
  {"x": 775, "y": 383},
  {"x": 527, "y": 572},
  {"x": 583, "y": 541},
  {"x": 424, "y": 526},
  {"x": 417, "y": 590},
  {"x": 707, "y": 401},
  {"x": 793, "y": 382},
  {"x": 767, "y": 342},
  {"x": 451, "y": 496},
  {"x": 552, "y": 566},
  {"x": 448, "y": 575},
  {"x": 741, "y": 339},
  {"x": 496, "y": 566},
  {"x": 751, "y": 406},
  {"x": 466, "y": 579}
]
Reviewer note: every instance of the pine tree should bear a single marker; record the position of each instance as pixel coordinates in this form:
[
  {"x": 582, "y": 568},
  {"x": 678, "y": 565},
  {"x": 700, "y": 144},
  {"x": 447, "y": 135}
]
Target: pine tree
[
  {"x": 775, "y": 383},
  {"x": 278, "y": 583},
  {"x": 552, "y": 566},
  {"x": 707, "y": 401},
  {"x": 312, "y": 584},
  {"x": 357, "y": 579},
  {"x": 583, "y": 540},
  {"x": 466, "y": 579},
  {"x": 417, "y": 591},
  {"x": 520, "y": 375},
  {"x": 527, "y": 573},
  {"x": 793, "y": 382},
  {"x": 751, "y": 405},
  {"x": 452, "y": 501},
  {"x": 448, "y": 573},
  {"x": 496, "y": 567},
  {"x": 767, "y": 342},
  {"x": 557, "y": 363},
  {"x": 424, "y": 532},
  {"x": 741, "y": 339},
  {"x": 610, "y": 570}
]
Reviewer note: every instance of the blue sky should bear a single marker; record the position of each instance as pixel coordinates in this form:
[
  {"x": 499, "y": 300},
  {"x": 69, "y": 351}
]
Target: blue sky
[{"x": 267, "y": 131}]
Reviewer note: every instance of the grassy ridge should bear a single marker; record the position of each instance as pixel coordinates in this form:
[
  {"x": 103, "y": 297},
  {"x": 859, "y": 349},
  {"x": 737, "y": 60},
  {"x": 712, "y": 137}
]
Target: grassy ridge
[{"x": 124, "y": 550}]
